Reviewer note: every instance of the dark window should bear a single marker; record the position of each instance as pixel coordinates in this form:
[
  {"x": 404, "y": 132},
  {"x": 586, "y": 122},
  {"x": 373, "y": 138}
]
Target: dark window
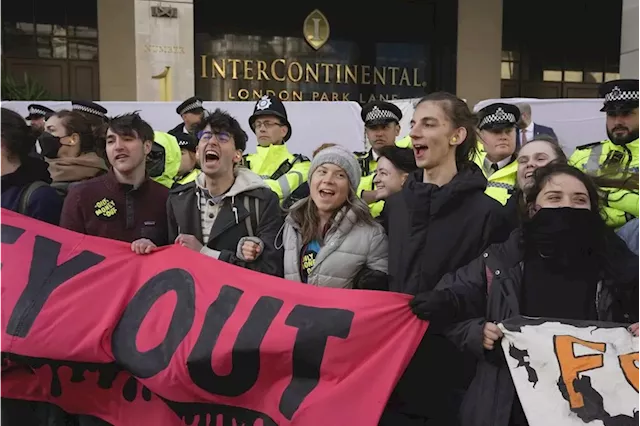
[
  {"x": 559, "y": 44},
  {"x": 61, "y": 29}
]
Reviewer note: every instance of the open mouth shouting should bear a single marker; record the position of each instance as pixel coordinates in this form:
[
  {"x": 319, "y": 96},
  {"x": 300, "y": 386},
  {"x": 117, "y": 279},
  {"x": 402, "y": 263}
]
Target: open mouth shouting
[
  {"x": 211, "y": 157},
  {"x": 419, "y": 151},
  {"x": 326, "y": 193}
]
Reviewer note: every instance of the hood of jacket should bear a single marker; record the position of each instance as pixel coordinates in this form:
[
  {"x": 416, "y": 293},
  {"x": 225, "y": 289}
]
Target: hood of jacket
[
  {"x": 245, "y": 181},
  {"x": 433, "y": 199},
  {"x": 172, "y": 158}
]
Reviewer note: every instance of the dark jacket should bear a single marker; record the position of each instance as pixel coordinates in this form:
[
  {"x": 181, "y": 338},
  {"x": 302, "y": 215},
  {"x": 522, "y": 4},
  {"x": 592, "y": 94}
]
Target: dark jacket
[
  {"x": 103, "y": 207},
  {"x": 538, "y": 129},
  {"x": 183, "y": 211},
  {"x": 489, "y": 400},
  {"x": 44, "y": 202},
  {"x": 433, "y": 231}
]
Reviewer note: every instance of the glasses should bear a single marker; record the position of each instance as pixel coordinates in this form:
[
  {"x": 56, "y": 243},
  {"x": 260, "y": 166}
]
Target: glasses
[
  {"x": 267, "y": 124},
  {"x": 221, "y": 137}
]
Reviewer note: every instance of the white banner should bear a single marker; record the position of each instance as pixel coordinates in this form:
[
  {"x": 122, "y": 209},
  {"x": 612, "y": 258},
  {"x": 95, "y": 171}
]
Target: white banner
[{"x": 573, "y": 374}]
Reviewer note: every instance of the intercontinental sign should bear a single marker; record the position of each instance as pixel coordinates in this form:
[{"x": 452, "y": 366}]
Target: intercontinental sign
[{"x": 278, "y": 75}]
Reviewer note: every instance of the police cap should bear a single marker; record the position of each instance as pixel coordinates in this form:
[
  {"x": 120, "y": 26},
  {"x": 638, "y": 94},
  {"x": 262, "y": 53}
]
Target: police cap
[
  {"x": 193, "y": 105},
  {"x": 380, "y": 112},
  {"x": 38, "y": 111},
  {"x": 498, "y": 116},
  {"x": 271, "y": 105},
  {"x": 619, "y": 95},
  {"x": 186, "y": 141},
  {"x": 89, "y": 108}
]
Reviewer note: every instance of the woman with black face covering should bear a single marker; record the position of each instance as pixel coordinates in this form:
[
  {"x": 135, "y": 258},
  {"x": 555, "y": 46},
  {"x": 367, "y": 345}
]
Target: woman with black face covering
[
  {"x": 69, "y": 146},
  {"x": 562, "y": 262}
]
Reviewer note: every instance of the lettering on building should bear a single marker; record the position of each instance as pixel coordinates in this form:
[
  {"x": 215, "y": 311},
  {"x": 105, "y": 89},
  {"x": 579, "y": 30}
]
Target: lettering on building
[
  {"x": 287, "y": 71},
  {"x": 164, "y": 12},
  {"x": 163, "y": 48}
]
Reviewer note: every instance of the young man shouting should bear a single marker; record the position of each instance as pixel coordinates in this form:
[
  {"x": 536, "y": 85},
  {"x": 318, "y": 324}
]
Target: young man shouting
[
  {"x": 228, "y": 212},
  {"x": 124, "y": 204}
]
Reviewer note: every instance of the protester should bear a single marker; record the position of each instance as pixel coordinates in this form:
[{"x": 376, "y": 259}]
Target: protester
[
  {"x": 382, "y": 127},
  {"x": 538, "y": 152},
  {"x": 69, "y": 146},
  {"x": 25, "y": 180},
  {"x": 561, "y": 263},
  {"x": 438, "y": 222},
  {"x": 497, "y": 131},
  {"x": 125, "y": 204},
  {"x": 392, "y": 170},
  {"x": 330, "y": 238},
  {"x": 227, "y": 205}
]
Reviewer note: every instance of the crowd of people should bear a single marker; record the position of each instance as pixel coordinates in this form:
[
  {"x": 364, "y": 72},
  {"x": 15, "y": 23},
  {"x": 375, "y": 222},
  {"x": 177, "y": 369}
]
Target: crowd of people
[{"x": 480, "y": 217}]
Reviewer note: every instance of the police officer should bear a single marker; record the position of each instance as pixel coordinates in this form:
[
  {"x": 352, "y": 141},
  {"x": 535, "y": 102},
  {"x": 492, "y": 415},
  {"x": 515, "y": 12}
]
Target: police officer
[
  {"x": 191, "y": 111},
  {"x": 281, "y": 170},
  {"x": 188, "y": 163},
  {"x": 95, "y": 113},
  {"x": 38, "y": 114},
  {"x": 382, "y": 127},
  {"x": 497, "y": 129},
  {"x": 616, "y": 157}
]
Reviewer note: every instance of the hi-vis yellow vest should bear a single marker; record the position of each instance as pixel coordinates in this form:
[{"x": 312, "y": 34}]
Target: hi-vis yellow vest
[
  {"x": 607, "y": 159},
  {"x": 292, "y": 170},
  {"x": 366, "y": 183},
  {"x": 501, "y": 184},
  {"x": 189, "y": 177}
]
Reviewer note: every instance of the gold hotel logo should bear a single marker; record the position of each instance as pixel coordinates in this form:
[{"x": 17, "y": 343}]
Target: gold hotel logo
[{"x": 316, "y": 29}]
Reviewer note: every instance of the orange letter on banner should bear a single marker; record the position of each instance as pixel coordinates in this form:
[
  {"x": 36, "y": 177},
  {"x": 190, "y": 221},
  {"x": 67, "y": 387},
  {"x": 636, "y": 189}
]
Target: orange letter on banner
[
  {"x": 571, "y": 365},
  {"x": 629, "y": 365}
]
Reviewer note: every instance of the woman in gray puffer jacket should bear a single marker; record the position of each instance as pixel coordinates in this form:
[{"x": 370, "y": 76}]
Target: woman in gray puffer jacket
[{"x": 329, "y": 237}]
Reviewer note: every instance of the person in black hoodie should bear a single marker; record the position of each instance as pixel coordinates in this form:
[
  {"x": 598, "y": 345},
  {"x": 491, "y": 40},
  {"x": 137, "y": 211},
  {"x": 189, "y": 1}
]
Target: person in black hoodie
[
  {"x": 25, "y": 179},
  {"x": 438, "y": 222},
  {"x": 561, "y": 262}
]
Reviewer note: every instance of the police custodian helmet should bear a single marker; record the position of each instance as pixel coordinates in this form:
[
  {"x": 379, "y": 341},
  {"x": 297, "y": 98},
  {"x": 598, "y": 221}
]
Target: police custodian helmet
[{"x": 271, "y": 105}]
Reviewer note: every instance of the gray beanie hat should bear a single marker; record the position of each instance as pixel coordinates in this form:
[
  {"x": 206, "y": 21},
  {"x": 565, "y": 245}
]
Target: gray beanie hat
[{"x": 342, "y": 158}]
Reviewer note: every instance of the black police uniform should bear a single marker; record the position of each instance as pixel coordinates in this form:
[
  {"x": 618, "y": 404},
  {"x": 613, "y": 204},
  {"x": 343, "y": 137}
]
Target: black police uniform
[{"x": 194, "y": 105}]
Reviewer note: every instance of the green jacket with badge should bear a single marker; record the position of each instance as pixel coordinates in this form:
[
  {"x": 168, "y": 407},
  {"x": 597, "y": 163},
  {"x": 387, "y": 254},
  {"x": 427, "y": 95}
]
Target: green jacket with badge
[
  {"x": 368, "y": 164},
  {"x": 609, "y": 160},
  {"x": 282, "y": 171}
]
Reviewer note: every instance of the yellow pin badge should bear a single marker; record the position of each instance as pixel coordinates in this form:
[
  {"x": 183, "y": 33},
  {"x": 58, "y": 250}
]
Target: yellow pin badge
[{"x": 105, "y": 208}]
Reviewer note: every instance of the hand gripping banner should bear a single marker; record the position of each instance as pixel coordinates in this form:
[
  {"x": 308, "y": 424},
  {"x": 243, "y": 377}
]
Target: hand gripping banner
[
  {"x": 177, "y": 338},
  {"x": 573, "y": 372}
]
